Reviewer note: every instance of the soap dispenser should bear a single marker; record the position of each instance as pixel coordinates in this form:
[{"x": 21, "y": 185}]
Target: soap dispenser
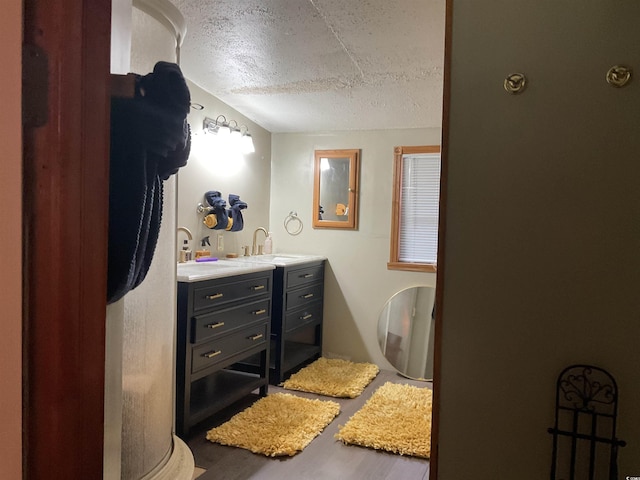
[
  {"x": 268, "y": 244},
  {"x": 186, "y": 250}
]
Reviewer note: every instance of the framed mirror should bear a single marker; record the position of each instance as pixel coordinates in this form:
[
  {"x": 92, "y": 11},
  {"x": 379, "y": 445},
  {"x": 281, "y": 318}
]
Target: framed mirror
[
  {"x": 406, "y": 332},
  {"x": 335, "y": 189}
]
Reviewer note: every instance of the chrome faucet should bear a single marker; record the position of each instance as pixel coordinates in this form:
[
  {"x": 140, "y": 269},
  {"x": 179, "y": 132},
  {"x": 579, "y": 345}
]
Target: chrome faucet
[{"x": 254, "y": 249}]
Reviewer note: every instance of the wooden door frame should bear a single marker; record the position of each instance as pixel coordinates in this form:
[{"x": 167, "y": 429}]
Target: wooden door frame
[
  {"x": 65, "y": 195},
  {"x": 442, "y": 228},
  {"x": 65, "y": 243}
]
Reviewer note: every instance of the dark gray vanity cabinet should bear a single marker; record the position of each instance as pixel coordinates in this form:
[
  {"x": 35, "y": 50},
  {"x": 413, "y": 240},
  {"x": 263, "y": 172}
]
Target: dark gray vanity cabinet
[
  {"x": 220, "y": 323},
  {"x": 296, "y": 325}
]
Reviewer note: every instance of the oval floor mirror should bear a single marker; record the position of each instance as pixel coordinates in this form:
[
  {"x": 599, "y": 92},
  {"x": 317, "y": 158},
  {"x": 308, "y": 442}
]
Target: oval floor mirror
[{"x": 405, "y": 332}]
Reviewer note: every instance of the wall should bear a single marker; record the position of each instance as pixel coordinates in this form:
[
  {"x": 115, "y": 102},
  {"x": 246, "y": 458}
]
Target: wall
[
  {"x": 542, "y": 267},
  {"x": 208, "y": 169},
  {"x": 277, "y": 179},
  {"x": 10, "y": 238},
  {"x": 357, "y": 283}
]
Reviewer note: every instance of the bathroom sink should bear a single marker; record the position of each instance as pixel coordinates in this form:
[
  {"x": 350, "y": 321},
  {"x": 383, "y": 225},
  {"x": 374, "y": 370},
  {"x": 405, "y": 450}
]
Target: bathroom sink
[
  {"x": 274, "y": 256},
  {"x": 197, "y": 271},
  {"x": 281, "y": 259}
]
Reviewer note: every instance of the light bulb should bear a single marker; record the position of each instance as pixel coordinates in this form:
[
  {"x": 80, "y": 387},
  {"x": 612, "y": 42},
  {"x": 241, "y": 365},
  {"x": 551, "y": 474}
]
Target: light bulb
[
  {"x": 247, "y": 144},
  {"x": 236, "y": 137}
]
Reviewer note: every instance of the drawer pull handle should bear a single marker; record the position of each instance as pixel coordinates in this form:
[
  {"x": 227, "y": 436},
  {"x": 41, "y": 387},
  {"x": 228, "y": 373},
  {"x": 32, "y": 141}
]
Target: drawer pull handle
[
  {"x": 308, "y": 295},
  {"x": 255, "y": 337},
  {"x": 306, "y": 317},
  {"x": 307, "y": 275},
  {"x": 214, "y": 296},
  {"x": 258, "y": 287},
  {"x": 215, "y": 325},
  {"x": 259, "y": 312},
  {"x": 212, "y": 354}
]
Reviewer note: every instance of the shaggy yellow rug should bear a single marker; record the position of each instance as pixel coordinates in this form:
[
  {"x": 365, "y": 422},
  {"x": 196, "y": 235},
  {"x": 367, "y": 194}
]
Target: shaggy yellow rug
[
  {"x": 276, "y": 425},
  {"x": 397, "y": 418},
  {"x": 333, "y": 377}
]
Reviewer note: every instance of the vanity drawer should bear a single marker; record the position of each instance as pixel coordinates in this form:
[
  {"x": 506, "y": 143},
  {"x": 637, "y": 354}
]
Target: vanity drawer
[
  {"x": 209, "y": 325},
  {"x": 223, "y": 292},
  {"x": 312, "y": 313},
  {"x": 302, "y": 296},
  {"x": 224, "y": 347},
  {"x": 313, "y": 273}
]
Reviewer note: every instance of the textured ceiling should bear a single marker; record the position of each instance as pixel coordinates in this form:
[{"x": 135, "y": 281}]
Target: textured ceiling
[{"x": 318, "y": 65}]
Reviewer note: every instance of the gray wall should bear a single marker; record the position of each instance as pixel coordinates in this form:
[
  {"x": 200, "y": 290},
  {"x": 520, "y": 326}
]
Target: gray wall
[
  {"x": 277, "y": 179},
  {"x": 358, "y": 283},
  {"x": 542, "y": 267},
  {"x": 208, "y": 169}
]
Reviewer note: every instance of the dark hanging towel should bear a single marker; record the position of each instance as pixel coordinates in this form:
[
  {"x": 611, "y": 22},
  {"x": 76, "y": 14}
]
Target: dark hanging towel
[
  {"x": 219, "y": 209},
  {"x": 150, "y": 141},
  {"x": 235, "y": 212}
]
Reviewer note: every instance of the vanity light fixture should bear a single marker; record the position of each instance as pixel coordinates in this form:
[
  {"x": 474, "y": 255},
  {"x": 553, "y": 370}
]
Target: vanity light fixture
[
  {"x": 246, "y": 142},
  {"x": 224, "y": 130},
  {"x": 236, "y": 137},
  {"x": 214, "y": 126}
]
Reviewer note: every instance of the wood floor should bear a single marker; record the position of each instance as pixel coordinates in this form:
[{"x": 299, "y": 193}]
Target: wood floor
[{"x": 325, "y": 458}]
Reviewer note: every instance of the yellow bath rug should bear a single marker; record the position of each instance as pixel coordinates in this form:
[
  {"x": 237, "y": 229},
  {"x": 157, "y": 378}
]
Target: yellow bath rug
[
  {"x": 280, "y": 424},
  {"x": 333, "y": 377},
  {"x": 397, "y": 418}
]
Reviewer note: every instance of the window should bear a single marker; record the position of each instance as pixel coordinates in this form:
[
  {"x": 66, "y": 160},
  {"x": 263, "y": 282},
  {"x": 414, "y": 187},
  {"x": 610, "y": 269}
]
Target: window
[{"x": 414, "y": 219}]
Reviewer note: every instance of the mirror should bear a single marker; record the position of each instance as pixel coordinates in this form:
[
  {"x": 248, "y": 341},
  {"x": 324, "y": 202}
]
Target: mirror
[
  {"x": 406, "y": 332},
  {"x": 335, "y": 189}
]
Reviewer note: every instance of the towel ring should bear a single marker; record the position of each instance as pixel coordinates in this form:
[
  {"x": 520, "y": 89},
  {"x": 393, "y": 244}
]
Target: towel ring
[{"x": 293, "y": 228}]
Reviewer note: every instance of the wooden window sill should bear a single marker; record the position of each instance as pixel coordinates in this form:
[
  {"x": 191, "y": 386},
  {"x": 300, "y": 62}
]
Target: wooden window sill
[{"x": 412, "y": 267}]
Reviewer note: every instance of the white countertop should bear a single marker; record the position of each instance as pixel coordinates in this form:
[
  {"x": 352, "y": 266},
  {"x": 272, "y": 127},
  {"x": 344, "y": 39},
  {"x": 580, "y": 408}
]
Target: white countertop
[
  {"x": 198, "y": 271},
  {"x": 280, "y": 259}
]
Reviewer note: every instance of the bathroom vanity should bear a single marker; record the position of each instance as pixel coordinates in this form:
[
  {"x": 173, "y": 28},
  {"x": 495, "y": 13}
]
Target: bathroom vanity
[
  {"x": 242, "y": 324},
  {"x": 223, "y": 317},
  {"x": 296, "y": 317},
  {"x": 296, "y": 325}
]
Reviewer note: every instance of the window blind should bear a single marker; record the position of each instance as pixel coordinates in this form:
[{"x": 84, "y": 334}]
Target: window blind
[{"x": 419, "y": 201}]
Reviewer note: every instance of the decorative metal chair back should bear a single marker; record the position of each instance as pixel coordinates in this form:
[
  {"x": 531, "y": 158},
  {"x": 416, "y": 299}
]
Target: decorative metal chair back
[{"x": 584, "y": 435}]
